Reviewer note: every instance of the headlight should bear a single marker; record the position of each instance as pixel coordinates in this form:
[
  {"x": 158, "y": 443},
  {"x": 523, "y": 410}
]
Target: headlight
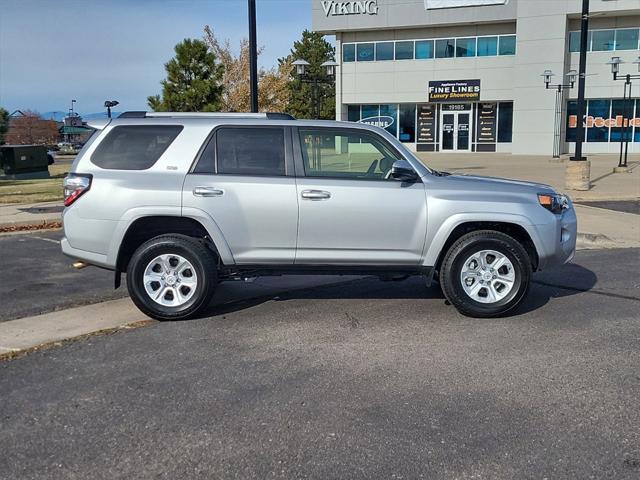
[{"x": 554, "y": 202}]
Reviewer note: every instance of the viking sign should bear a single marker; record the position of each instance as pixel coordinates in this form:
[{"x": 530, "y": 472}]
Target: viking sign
[
  {"x": 356, "y": 7},
  {"x": 454, "y": 91}
]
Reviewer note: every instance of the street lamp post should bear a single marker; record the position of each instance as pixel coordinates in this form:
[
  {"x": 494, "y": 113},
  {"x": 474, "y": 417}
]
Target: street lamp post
[
  {"x": 109, "y": 104},
  {"x": 626, "y": 102},
  {"x": 560, "y": 87},
  {"x": 315, "y": 81}
]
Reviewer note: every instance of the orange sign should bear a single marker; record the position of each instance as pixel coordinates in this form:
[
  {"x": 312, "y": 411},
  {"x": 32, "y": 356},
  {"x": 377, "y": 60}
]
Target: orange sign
[{"x": 599, "y": 122}]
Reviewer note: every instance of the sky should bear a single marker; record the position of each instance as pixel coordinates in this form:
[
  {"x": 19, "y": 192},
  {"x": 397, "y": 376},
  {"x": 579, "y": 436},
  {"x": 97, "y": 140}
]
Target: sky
[{"x": 52, "y": 51}]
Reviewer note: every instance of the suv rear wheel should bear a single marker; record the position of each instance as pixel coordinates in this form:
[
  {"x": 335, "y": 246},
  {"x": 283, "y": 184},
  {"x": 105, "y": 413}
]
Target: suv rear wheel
[
  {"x": 172, "y": 277},
  {"x": 485, "y": 274}
]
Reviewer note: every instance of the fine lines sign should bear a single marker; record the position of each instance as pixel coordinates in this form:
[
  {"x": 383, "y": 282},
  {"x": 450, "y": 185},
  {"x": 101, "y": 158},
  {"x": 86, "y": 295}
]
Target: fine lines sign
[
  {"x": 434, "y": 4},
  {"x": 454, "y": 91}
]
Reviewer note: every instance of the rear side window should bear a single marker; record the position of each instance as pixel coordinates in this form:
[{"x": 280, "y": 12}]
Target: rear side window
[
  {"x": 134, "y": 147},
  {"x": 245, "y": 151}
]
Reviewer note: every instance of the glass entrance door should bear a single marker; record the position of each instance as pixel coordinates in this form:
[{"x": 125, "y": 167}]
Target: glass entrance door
[{"x": 455, "y": 131}]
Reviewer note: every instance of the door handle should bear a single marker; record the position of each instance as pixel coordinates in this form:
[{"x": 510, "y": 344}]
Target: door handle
[
  {"x": 207, "y": 192},
  {"x": 315, "y": 194}
]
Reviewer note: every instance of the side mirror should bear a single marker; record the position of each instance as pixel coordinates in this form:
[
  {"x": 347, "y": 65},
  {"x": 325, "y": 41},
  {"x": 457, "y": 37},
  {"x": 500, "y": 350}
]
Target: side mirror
[{"x": 403, "y": 171}]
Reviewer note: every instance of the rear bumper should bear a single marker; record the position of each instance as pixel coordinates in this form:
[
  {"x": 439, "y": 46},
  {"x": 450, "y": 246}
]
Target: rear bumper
[
  {"x": 558, "y": 239},
  {"x": 88, "y": 257}
]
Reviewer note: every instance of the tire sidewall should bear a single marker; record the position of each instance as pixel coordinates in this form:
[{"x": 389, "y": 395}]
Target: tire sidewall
[{"x": 135, "y": 279}]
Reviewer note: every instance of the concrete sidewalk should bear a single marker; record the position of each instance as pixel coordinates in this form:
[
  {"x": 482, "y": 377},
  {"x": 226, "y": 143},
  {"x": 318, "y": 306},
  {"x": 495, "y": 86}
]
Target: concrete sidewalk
[{"x": 27, "y": 214}]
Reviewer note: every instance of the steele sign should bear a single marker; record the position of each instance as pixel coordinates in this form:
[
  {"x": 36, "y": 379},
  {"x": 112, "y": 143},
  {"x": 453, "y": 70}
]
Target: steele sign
[
  {"x": 454, "y": 91},
  {"x": 355, "y": 7}
]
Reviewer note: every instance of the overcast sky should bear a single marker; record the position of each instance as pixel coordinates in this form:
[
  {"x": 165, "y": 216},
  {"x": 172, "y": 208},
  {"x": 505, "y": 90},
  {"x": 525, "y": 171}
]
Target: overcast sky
[{"x": 91, "y": 50}]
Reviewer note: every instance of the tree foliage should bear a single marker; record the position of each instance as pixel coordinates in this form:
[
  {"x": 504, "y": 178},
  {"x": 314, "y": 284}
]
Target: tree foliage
[
  {"x": 273, "y": 91},
  {"x": 313, "y": 48},
  {"x": 31, "y": 129},
  {"x": 4, "y": 124},
  {"x": 193, "y": 80}
]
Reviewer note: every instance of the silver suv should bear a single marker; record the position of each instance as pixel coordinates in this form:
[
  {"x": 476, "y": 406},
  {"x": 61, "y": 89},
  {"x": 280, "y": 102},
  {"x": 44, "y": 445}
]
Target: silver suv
[{"x": 182, "y": 201}]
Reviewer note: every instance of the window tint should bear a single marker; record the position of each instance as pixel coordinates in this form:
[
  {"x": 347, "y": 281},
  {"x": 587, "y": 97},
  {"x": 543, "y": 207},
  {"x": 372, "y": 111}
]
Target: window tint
[
  {"x": 507, "y": 45},
  {"x": 627, "y": 39},
  {"x": 601, "y": 109},
  {"x": 349, "y": 155},
  {"x": 407, "y": 124},
  {"x": 365, "y": 52},
  {"x": 250, "y": 151},
  {"x": 424, "y": 49},
  {"x": 466, "y": 47},
  {"x": 384, "y": 51},
  {"x": 353, "y": 113},
  {"x": 349, "y": 52},
  {"x": 505, "y": 122},
  {"x": 134, "y": 147},
  {"x": 445, "y": 48},
  {"x": 487, "y": 46},
  {"x": 404, "y": 50}
]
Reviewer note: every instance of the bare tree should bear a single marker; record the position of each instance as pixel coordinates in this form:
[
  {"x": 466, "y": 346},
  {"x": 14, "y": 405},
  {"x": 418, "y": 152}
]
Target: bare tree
[{"x": 31, "y": 129}]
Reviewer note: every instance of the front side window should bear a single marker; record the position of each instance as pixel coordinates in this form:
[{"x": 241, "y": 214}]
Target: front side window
[
  {"x": 384, "y": 51},
  {"x": 349, "y": 52},
  {"x": 445, "y": 48},
  {"x": 365, "y": 52},
  {"x": 250, "y": 151},
  {"x": 134, "y": 147},
  {"x": 346, "y": 154},
  {"x": 466, "y": 47},
  {"x": 507, "y": 45}
]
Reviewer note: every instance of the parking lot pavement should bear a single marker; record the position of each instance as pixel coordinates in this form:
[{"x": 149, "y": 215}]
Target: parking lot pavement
[{"x": 362, "y": 380}]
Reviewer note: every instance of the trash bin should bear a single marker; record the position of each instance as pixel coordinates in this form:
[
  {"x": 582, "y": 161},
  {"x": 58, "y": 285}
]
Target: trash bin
[{"x": 24, "y": 161}]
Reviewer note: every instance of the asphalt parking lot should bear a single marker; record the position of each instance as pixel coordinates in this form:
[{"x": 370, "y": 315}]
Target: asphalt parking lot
[{"x": 367, "y": 379}]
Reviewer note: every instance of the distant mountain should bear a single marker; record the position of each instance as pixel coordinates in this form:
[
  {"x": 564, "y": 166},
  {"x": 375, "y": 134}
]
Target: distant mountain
[{"x": 59, "y": 116}]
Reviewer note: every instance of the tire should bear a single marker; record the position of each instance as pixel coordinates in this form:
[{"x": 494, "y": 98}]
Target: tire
[
  {"x": 179, "y": 294},
  {"x": 470, "y": 284}
]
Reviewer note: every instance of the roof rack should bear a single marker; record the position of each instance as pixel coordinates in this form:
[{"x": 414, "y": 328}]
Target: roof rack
[{"x": 267, "y": 115}]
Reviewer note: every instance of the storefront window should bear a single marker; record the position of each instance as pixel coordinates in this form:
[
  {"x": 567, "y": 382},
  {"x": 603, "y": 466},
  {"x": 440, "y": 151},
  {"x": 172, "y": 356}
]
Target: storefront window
[
  {"x": 353, "y": 113},
  {"x": 572, "y": 112},
  {"x": 487, "y": 46},
  {"x": 507, "y": 45},
  {"x": 404, "y": 50},
  {"x": 599, "y": 110},
  {"x": 636, "y": 130},
  {"x": 384, "y": 51},
  {"x": 445, "y": 48},
  {"x": 627, "y": 39},
  {"x": 365, "y": 52},
  {"x": 466, "y": 47},
  {"x": 424, "y": 49},
  {"x": 505, "y": 122},
  {"x": 369, "y": 111},
  {"x": 603, "y": 40},
  {"x": 392, "y": 112},
  {"x": 349, "y": 52},
  {"x": 407, "y": 124}
]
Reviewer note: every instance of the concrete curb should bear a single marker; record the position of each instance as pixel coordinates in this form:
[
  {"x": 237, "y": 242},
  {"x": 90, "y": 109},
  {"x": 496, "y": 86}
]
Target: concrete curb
[{"x": 586, "y": 241}]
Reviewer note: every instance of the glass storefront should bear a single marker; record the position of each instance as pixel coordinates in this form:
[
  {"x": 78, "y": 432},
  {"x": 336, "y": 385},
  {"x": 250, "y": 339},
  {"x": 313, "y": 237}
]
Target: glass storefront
[{"x": 605, "y": 120}]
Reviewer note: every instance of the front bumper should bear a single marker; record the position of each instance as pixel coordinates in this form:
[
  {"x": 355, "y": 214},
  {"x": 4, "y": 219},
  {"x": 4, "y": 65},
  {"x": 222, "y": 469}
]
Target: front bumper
[{"x": 558, "y": 239}]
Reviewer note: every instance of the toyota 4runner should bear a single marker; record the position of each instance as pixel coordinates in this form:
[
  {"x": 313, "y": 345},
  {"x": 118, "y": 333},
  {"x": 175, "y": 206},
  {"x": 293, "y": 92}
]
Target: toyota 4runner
[{"x": 182, "y": 201}]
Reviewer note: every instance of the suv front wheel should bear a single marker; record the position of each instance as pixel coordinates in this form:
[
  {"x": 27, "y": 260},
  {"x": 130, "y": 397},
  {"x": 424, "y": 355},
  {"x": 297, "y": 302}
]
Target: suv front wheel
[
  {"x": 485, "y": 274},
  {"x": 172, "y": 277}
]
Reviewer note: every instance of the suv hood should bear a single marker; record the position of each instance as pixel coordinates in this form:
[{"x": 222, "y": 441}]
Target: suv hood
[{"x": 495, "y": 183}]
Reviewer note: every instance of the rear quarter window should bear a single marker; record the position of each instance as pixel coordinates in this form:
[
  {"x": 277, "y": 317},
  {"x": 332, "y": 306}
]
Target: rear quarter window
[{"x": 134, "y": 147}]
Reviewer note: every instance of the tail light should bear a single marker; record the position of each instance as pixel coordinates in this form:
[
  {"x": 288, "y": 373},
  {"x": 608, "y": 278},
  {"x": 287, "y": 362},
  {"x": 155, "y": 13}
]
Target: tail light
[{"x": 75, "y": 185}]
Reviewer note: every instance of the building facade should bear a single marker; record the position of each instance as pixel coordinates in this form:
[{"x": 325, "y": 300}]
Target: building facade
[{"x": 466, "y": 75}]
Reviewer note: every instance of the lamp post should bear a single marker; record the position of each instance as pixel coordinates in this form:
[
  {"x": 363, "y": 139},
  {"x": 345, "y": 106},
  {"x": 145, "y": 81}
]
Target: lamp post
[
  {"x": 315, "y": 80},
  {"x": 253, "y": 56},
  {"x": 615, "y": 63},
  {"x": 560, "y": 87},
  {"x": 109, "y": 104}
]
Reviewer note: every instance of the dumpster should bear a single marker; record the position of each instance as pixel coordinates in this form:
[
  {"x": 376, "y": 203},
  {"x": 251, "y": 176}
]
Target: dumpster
[{"x": 24, "y": 161}]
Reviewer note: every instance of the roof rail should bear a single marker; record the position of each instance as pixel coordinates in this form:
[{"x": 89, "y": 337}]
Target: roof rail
[{"x": 267, "y": 115}]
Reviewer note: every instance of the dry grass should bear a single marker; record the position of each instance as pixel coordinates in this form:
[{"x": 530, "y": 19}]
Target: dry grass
[{"x": 35, "y": 191}]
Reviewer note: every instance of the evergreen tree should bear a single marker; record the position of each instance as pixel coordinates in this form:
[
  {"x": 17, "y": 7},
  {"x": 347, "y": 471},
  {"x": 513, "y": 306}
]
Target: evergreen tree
[
  {"x": 193, "y": 82},
  {"x": 313, "y": 48},
  {"x": 4, "y": 124}
]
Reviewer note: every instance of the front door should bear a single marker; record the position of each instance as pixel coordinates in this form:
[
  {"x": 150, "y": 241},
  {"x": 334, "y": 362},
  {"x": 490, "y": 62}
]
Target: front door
[
  {"x": 351, "y": 211},
  {"x": 455, "y": 131}
]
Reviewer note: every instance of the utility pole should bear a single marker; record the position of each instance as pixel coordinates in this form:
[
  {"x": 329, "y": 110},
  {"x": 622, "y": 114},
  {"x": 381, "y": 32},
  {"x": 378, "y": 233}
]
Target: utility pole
[
  {"x": 253, "y": 56},
  {"x": 578, "y": 174}
]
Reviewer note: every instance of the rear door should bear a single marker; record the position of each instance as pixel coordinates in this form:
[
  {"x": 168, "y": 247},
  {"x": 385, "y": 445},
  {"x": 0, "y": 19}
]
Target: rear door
[
  {"x": 244, "y": 181},
  {"x": 351, "y": 211}
]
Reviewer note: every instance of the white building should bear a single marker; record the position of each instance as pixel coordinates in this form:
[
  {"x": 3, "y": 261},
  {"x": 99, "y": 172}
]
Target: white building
[{"x": 465, "y": 75}]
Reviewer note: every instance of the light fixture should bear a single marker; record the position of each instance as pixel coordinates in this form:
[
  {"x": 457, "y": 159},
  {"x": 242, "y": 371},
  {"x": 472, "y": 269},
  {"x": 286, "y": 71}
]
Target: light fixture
[
  {"x": 637, "y": 62},
  {"x": 301, "y": 66},
  {"x": 330, "y": 67},
  {"x": 615, "y": 65},
  {"x": 573, "y": 75},
  {"x": 547, "y": 77}
]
